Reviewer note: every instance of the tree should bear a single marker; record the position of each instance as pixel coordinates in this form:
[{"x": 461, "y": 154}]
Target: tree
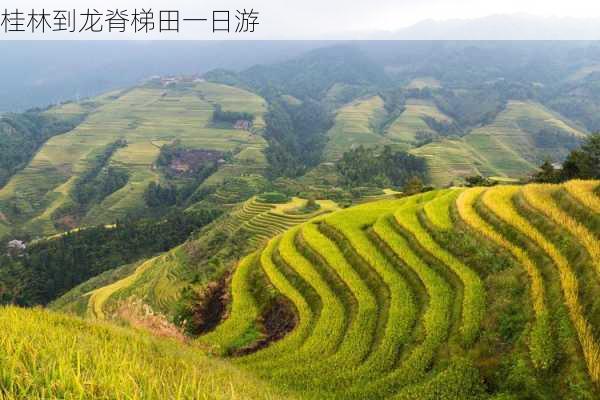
[
  {"x": 547, "y": 173},
  {"x": 46, "y": 269},
  {"x": 159, "y": 196},
  {"x": 478, "y": 180},
  {"x": 413, "y": 186},
  {"x": 584, "y": 163}
]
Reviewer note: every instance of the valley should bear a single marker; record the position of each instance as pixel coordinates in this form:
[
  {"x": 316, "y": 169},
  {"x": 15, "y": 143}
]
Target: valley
[{"x": 360, "y": 221}]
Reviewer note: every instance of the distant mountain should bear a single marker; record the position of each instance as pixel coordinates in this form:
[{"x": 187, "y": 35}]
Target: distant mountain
[
  {"x": 313, "y": 73},
  {"x": 35, "y": 74},
  {"x": 496, "y": 27}
]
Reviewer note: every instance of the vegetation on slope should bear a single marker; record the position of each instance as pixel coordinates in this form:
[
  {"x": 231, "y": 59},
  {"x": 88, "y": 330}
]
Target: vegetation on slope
[
  {"x": 355, "y": 125},
  {"x": 365, "y": 167},
  {"x": 416, "y": 262},
  {"x": 296, "y": 136},
  {"x": 483, "y": 292},
  {"x": 39, "y": 197},
  {"x": 47, "y": 355},
  {"x": 49, "y": 268},
  {"x": 465, "y": 293},
  {"x": 21, "y": 135},
  {"x": 175, "y": 283}
]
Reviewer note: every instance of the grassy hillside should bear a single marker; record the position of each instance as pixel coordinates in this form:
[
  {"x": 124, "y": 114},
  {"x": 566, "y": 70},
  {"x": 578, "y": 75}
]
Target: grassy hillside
[
  {"x": 466, "y": 293},
  {"x": 145, "y": 117},
  {"x": 509, "y": 143},
  {"x": 46, "y": 355}
]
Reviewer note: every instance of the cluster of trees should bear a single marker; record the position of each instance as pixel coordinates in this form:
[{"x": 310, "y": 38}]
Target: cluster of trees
[
  {"x": 168, "y": 195},
  {"x": 472, "y": 107},
  {"x": 157, "y": 195},
  {"x": 394, "y": 100},
  {"x": 311, "y": 75},
  {"x": 99, "y": 182},
  {"x": 578, "y": 100},
  {"x": 443, "y": 128},
  {"x": 230, "y": 116},
  {"x": 394, "y": 103},
  {"x": 21, "y": 135},
  {"x": 371, "y": 167},
  {"x": 478, "y": 180},
  {"x": 50, "y": 268},
  {"x": 296, "y": 135},
  {"x": 581, "y": 163}
]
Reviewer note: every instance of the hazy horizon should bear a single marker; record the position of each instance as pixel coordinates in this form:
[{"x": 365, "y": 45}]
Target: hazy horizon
[{"x": 314, "y": 20}]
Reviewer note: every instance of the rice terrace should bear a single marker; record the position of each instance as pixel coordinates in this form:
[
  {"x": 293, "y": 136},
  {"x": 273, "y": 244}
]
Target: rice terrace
[{"x": 355, "y": 220}]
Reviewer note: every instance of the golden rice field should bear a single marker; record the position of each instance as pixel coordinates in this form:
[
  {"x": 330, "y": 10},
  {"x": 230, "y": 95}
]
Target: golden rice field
[
  {"x": 387, "y": 308},
  {"x": 47, "y": 355},
  {"x": 479, "y": 293}
]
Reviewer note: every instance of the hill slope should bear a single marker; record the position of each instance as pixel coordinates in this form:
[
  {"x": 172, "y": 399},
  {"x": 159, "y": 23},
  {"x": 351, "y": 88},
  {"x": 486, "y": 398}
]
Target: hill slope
[
  {"x": 430, "y": 296},
  {"x": 144, "y": 118},
  {"x": 412, "y": 122},
  {"x": 354, "y": 126},
  {"x": 460, "y": 293},
  {"x": 160, "y": 281},
  {"x": 46, "y": 355},
  {"x": 512, "y": 145}
]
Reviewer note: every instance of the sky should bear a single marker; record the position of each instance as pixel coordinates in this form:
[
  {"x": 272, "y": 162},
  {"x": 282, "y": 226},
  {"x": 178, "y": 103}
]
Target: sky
[{"x": 308, "y": 19}]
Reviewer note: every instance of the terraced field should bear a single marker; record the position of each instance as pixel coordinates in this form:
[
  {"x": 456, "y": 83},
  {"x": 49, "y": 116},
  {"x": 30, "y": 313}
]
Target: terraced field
[
  {"x": 158, "y": 282},
  {"x": 391, "y": 302},
  {"x": 505, "y": 148},
  {"x": 411, "y": 122},
  {"x": 145, "y": 117},
  {"x": 264, "y": 220},
  {"x": 512, "y": 146},
  {"x": 354, "y": 126},
  {"x": 450, "y": 159},
  {"x": 507, "y": 143},
  {"x": 358, "y": 124}
]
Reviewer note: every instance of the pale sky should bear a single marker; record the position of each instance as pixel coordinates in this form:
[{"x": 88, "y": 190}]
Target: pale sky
[{"x": 314, "y": 19}]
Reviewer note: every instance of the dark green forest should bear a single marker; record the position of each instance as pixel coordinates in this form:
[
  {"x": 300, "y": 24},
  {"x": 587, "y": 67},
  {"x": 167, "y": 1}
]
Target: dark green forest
[
  {"x": 49, "y": 268},
  {"x": 296, "y": 135},
  {"x": 379, "y": 168}
]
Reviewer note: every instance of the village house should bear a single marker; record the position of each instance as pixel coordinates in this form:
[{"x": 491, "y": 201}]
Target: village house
[{"x": 16, "y": 248}]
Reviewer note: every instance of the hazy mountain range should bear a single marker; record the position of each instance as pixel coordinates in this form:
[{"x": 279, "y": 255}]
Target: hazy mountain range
[
  {"x": 38, "y": 73},
  {"x": 493, "y": 27}
]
